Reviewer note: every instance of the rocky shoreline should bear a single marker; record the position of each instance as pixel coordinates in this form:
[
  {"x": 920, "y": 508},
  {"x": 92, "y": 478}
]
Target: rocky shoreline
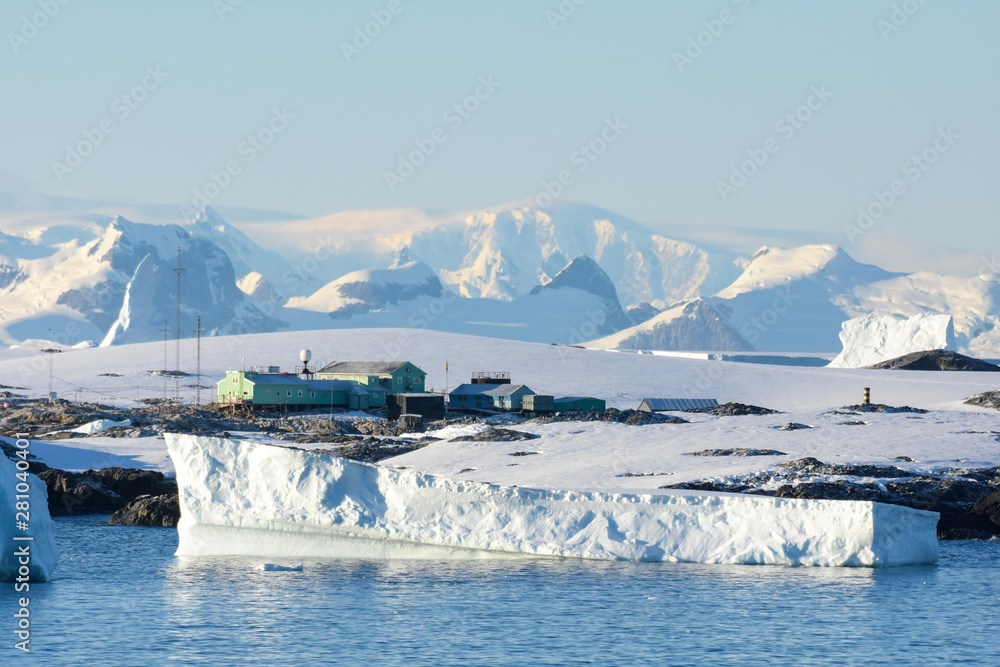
[{"x": 968, "y": 499}]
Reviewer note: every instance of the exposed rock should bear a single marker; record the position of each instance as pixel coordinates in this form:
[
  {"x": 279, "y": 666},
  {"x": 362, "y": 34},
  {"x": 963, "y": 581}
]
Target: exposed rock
[
  {"x": 881, "y": 407},
  {"x": 72, "y": 493},
  {"x": 853, "y": 422},
  {"x": 738, "y": 451},
  {"x": 523, "y": 453},
  {"x": 496, "y": 435},
  {"x": 373, "y": 450},
  {"x": 734, "y": 410},
  {"x": 814, "y": 466},
  {"x": 989, "y": 399},
  {"x": 164, "y": 510},
  {"x": 628, "y": 416},
  {"x": 967, "y": 500},
  {"x": 936, "y": 360},
  {"x": 793, "y": 426},
  {"x": 130, "y": 483}
]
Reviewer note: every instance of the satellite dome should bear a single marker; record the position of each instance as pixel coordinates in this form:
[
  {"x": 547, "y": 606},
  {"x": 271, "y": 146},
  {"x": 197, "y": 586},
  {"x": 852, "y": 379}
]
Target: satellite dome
[{"x": 305, "y": 356}]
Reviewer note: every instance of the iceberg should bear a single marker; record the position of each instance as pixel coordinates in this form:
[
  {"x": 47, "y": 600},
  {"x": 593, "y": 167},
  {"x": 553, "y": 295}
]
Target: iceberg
[
  {"x": 244, "y": 498},
  {"x": 28, "y": 551},
  {"x": 875, "y": 338}
]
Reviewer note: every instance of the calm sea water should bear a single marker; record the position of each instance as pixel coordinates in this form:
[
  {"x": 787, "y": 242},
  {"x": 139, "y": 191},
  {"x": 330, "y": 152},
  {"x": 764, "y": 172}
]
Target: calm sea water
[{"x": 122, "y": 598}]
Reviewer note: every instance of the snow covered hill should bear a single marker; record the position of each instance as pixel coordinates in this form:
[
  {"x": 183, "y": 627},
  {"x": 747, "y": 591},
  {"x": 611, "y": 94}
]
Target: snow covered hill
[
  {"x": 371, "y": 291},
  {"x": 691, "y": 325}
]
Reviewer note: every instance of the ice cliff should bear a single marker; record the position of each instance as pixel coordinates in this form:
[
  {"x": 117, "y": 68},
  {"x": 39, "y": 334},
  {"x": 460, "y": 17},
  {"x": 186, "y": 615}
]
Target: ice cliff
[
  {"x": 874, "y": 338},
  {"x": 36, "y": 535},
  {"x": 244, "y": 498}
]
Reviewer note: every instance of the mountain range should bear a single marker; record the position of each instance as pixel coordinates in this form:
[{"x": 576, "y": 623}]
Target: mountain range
[{"x": 570, "y": 274}]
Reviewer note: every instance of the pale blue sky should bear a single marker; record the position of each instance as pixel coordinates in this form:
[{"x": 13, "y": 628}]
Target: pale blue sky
[{"x": 891, "y": 94}]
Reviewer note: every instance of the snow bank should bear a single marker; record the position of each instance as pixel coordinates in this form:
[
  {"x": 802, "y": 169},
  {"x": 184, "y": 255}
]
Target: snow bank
[
  {"x": 873, "y": 338},
  {"x": 243, "y": 498},
  {"x": 42, "y": 551},
  {"x": 98, "y": 426}
]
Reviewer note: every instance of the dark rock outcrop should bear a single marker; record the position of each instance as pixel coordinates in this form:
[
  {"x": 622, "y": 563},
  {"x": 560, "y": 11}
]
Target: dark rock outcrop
[
  {"x": 936, "y": 360},
  {"x": 738, "y": 451},
  {"x": 161, "y": 511},
  {"x": 967, "y": 500},
  {"x": 734, "y": 410},
  {"x": 988, "y": 399},
  {"x": 496, "y": 435},
  {"x": 100, "y": 491}
]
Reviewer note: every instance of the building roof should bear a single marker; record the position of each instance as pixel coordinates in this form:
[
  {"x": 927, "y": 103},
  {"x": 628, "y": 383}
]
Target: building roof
[
  {"x": 365, "y": 367},
  {"x": 657, "y": 404},
  {"x": 488, "y": 389},
  {"x": 279, "y": 380},
  {"x": 571, "y": 399}
]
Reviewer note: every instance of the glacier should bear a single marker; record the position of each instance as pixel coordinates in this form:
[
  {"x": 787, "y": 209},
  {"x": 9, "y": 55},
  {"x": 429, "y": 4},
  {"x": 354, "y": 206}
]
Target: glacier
[
  {"x": 874, "y": 338},
  {"x": 40, "y": 542},
  {"x": 251, "y": 499}
]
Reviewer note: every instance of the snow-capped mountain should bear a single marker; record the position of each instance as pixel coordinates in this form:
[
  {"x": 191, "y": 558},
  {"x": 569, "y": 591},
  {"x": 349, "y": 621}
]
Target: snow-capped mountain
[
  {"x": 121, "y": 287},
  {"x": 371, "y": 290},
  {"x": 247, "y": 257},
  {"x": 506, "y": 272},
  {"x": 796, "y": 299},
  {"x": 584, "y": 274},
  {"x": 690, "y": 325},
  {"x": 504, "y": 253}
]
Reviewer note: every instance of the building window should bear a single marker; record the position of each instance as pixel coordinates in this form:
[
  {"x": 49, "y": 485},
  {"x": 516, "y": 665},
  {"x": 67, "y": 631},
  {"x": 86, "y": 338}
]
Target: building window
[
  {"x": 235, "y": 380},
  {"x": 300, "y": 393},
  {"x": 267, "y": 392},
  {"x": 289, "y": 392},
  {"x": 312, "y": 394},
  {"x": 416, "y": 380},
  {"x": 399, "y": 380}
]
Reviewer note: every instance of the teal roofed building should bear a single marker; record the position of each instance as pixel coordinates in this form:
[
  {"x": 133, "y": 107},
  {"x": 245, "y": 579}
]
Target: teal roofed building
[
  {"x": 475, "y": 396},
  {"x": 257, "y": 389},
  {"x": 396, "y": 377}
]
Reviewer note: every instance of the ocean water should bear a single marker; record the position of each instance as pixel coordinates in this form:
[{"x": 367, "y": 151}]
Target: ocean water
[{"x": 122, "y": 598}]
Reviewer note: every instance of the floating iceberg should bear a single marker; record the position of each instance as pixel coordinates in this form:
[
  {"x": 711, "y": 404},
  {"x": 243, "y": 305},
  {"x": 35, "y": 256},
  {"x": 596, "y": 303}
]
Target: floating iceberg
[
  {"x": 28, "y": 551},
  {"x": 874, "y": 338},
  {"x": 249, "y": 499}
]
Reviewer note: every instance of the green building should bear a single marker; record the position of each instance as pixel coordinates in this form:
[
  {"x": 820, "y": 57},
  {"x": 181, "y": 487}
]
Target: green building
[
  {"x": 396, "y": 377},
  {"x": 578, "y": 403},
  {"x": 257, "y": 389}
]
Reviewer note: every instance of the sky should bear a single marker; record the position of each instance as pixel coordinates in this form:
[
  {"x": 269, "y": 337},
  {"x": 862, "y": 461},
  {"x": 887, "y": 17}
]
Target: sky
[{"x": 867, "y": 123}]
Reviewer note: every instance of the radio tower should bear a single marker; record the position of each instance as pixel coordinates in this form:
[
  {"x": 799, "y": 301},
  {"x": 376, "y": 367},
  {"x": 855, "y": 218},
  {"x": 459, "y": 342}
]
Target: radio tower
[
  {"x": 197, "y": 374},
  {"x": 178, "y": 271}
]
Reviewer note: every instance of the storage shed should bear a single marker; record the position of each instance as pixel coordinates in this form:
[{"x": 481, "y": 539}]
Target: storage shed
[
  {"x": 428, "y": 406},
  {"x": 675, "y": 404}
]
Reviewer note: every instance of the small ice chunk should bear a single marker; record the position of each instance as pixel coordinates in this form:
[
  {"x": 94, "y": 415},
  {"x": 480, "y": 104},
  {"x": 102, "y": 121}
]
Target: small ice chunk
[{"x": 274, "y": 567}]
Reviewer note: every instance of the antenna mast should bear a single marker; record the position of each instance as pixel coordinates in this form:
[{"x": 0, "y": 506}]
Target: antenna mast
[
  {"x": 178, "y": 271},
  {"x": 197, "y": 374}
]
